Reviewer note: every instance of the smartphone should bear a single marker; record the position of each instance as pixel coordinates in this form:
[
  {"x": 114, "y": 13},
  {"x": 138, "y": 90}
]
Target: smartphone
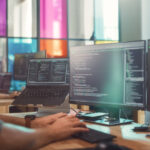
[{"x": 91, "y": 116}]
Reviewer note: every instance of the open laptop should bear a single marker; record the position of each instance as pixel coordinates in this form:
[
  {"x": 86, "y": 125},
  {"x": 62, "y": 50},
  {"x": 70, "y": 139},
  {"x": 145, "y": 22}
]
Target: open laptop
[
  {"x": 47, "y": 82},
  {"x": 5, "y": 80}
]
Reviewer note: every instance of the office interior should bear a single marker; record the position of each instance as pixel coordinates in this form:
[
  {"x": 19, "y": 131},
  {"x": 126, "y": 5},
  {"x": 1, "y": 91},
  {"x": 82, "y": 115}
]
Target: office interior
[{"x": 54, "y": 26}]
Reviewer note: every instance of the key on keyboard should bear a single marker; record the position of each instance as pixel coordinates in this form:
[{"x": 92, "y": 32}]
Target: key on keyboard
[{"x": 94, "y": 136}]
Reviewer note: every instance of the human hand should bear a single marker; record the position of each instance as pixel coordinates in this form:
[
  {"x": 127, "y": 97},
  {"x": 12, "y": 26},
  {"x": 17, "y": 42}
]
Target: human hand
[
  {"x": 65, "y": 127},
  {"x": 14, "y": 94},
  {"x": 46, "y": 120}
]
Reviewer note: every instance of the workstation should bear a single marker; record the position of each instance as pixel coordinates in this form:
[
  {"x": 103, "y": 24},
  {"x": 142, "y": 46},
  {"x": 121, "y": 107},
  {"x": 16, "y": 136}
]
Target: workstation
[{"x": 92, "y": 61}]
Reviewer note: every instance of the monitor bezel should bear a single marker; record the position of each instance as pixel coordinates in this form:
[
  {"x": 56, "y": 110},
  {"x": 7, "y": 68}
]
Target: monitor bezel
[{"x": 148, "y": 73}]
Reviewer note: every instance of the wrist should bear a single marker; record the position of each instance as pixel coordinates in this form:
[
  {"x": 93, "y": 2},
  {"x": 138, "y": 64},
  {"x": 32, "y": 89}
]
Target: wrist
[{"x": 28, "y": 120}]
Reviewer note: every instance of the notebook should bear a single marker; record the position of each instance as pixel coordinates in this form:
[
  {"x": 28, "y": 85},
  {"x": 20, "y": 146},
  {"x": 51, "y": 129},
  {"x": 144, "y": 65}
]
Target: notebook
[{"x": 47, "y": 82}]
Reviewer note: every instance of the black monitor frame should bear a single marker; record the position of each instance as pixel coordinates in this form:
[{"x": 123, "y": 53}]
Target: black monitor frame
[
  {"x": 148, "y": 76},
  {"x": 113, "y": 106}
]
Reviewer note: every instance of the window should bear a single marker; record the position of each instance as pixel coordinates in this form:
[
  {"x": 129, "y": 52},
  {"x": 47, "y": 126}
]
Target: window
[{"x": 28, "y": 26}]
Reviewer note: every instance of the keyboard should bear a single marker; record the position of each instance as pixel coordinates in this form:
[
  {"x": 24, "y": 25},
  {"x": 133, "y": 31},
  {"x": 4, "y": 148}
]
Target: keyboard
[
  {"x": 47, "y": 95},
  {"x": 94, "y": 136},
  {"x": 47, "y": 91}
]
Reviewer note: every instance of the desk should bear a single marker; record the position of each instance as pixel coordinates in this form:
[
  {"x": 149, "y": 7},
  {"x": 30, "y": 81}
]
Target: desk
[
  {"x": 4, "y": 105},
  {"x": 124, "y": 133}
]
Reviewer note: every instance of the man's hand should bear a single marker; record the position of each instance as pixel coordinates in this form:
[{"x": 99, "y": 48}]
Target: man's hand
[
  {"x": 46, "y": 120},
  {"x": 8, "y": 96},
  {"x": 65, "y": 127},
  {"x": 14, "y": 94}
]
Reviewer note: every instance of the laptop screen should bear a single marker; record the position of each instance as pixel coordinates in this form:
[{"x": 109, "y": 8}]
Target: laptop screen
[{"x": 48, "y": 71}]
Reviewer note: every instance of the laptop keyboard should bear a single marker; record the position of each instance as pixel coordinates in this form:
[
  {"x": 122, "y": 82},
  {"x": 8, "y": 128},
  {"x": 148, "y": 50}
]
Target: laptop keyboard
[
  {"x": 46, "y": 95},
  {"x": 47, "y": 91}
]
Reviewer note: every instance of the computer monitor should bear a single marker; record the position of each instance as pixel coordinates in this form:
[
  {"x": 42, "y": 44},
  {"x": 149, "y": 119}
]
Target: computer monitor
[
  {"x": 110, "y": 76},
  {"x": 21, "y": 64},
  {"x": 5, "y": 79}
]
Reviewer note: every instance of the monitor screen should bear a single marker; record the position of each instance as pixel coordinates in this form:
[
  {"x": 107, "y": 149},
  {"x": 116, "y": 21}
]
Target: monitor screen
[
  {"x": 21, "y": 64},
  {"x": 109, "y": 74},
  {"x": 48, "y": 71}
]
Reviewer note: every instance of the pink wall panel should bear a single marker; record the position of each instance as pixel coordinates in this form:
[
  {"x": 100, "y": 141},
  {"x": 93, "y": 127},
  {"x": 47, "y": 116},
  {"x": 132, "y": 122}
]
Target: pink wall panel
[
  {"x": 53, "y": 18},
  {"x": 3, "y": 18}
]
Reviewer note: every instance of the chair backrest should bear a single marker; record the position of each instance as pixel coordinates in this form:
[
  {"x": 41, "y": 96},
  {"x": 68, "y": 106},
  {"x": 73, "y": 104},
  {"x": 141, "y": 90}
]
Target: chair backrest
[{"x": 5, "y": 80}]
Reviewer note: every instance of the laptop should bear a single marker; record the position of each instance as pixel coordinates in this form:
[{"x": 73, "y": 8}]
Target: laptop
[
  {"x": 5, "y": 80},
  {"x": 47, "y": 82}
]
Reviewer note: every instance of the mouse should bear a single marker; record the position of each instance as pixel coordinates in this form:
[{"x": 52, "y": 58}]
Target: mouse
[{"x": 110, "y": 146}]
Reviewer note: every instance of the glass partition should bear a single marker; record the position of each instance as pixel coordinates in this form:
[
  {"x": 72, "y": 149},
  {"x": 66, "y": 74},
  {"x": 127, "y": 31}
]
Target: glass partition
[
  {"x": 81, "y": 19},
  {"x": 3, "y": 18},
  {"x": 54, "y": 48},
  {"x": 80, "y": 42},
  {"x": 17, "y": 45},
  {"x": 3, "y": 57},
  {"x": 54, "y": 26},
  {"x": 53, "y": 18},
  {"x": 106, "y": 20},
  {"x": 22, "y": 18}
]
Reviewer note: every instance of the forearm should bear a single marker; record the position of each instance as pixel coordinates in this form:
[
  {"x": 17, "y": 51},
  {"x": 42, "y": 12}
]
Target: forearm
[
  {"x": 14, "y": 120},
  {"x": 14, "y": 137}
]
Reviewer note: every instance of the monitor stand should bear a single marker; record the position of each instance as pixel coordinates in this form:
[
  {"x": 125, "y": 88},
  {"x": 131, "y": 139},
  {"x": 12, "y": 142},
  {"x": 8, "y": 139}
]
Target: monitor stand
[
  {"x": 112, "y": 119},
  {"x": 147, "y": 117},
  {"x": 64, "y": 107}
]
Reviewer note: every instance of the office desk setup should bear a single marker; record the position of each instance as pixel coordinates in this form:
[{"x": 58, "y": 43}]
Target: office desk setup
[
  {"x": 125, "y": 136},
  {"x": 100, "y": 77}
]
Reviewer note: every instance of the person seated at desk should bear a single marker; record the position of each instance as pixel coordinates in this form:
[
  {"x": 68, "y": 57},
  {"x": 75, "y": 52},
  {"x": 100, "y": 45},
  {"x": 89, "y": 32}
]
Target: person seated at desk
[
  {"x": 16, "y": 137},
  {"x": 9, "y": 95}
]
